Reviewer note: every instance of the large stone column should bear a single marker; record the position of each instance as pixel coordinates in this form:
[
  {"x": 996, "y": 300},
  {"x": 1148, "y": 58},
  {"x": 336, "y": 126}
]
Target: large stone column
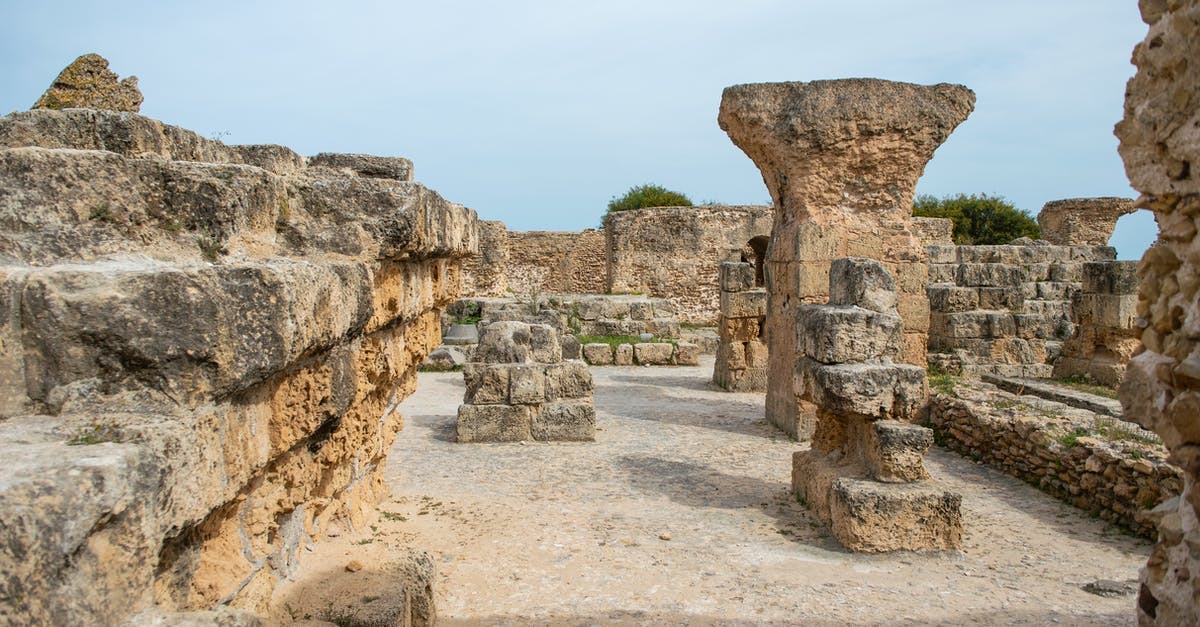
[
  {"x": 1160, "y": 142},
  {"x": 841, "y": 160}
]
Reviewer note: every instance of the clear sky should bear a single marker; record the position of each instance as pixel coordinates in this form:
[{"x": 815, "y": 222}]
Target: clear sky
[{"x": 537, "y": 112}]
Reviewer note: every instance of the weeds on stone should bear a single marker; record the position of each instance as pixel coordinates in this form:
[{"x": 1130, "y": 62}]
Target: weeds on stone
[
  {"x": 210, "y": 247},
  {"x": 101, "y": 213},
  {"x": 1071, "y": 438},
  {"x": 95, "y": 433},
  {"x": 941, "y": 381}
]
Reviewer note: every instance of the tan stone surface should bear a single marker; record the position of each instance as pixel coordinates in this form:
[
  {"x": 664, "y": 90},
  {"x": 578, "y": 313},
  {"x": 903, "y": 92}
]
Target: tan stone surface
[
  {"x": 841, "y": 160},
  {"x": 87, "y": 83},
  {"x": 1160, "y": 144},
  {"x": 1082, "y": 221}
]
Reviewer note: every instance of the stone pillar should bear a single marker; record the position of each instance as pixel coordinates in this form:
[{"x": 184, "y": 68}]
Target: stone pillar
[
  {"x": 865, "y": 472},
  {"x": 520, "y": 389},
  {"x": 1159, "y": 145},
  {"x": 1104, "y": 313},
  {"x": 741, "y": 364},
  {"x": 1082, "y": 221},
  {"x": 841, "y": 160}
]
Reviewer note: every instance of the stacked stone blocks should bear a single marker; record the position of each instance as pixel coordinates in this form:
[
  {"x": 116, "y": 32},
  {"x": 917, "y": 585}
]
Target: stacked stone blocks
[
  {"x": 741, "y": 364},
  {"x": 865, "y": 474},
  {"x": 1104, "y": 313},
  {"x": 518, "y": 388}
]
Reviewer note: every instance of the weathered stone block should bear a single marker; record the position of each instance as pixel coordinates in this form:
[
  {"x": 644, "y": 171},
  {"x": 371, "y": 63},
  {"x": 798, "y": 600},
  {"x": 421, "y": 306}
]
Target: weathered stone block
[
  {"x": 494, "y": 423},
  {"x": 740, "y": 329},
  {"x": 877, "y": 517},
  {"x": 756, "y": 354},
  {"x": 598, "y": 354},
  {"x": 571, "y": 347},
  {"x": 1001, "y": 298},
  {"x": 1110, "y": 277},
  {"x": 570, "y": 421},
  {"x": 862, "y": 282},
  {"x": 883, "y": 390},
  {"x": 369, "y": 166},
  {"x": 505, "y": 342},
  {"x": 568, "y": 380},
  {"x": 989, "y": 275},
  {"x": 687, "y": 354},
  {"x": 942, "y": 273},
  {"x": 736, "y": 277},
  {"x": 1110, "y": 310},
  {"x": 653, "y": 353},
  {"x": 952, "y": 299},
  {"x": 832, "y": 334},
  {"x": 942, "y": 253},
  {"x": 895, "y": 451},
  {"x": 751, "y": 304},
  {"x": 526, "y": 385},
  {"x": 624, "y": 355},
  {"x": 662, "y": 327}
]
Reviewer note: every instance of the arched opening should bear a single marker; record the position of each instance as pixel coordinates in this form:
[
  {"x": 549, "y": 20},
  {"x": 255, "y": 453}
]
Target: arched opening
[
  {"x": 1134, "y": 233},
  {"x": 755, "y": 253}
]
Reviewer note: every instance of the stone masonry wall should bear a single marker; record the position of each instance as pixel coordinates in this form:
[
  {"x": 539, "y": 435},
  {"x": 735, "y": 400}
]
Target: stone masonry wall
[
  {"x": 201, "y": 351},
  {"x": 1160, "y": 146},
  {"x": 1104, "y": 313},
  {"x": 675, "y": 252},
  {"x": 1096, "y": 463},
  {"x": 485, "y": 274},
  {"x": 1004, "y": 309},
  {"x": 741, "y": 363},
  {"x": 841, "y": 160},
  {"x": 556, "y": 262}
]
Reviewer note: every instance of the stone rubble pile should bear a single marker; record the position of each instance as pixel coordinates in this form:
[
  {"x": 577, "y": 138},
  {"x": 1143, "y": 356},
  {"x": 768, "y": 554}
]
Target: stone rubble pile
[
  {"x": 865, "y": 474},
  {"x": 519, "y": 388},
  {"x": 741, "y": 364}
]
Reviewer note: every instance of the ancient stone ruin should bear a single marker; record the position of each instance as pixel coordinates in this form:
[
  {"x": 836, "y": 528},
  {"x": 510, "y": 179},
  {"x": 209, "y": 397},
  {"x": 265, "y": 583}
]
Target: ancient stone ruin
[
  {"x": 201, "y": 352},
  {"x": 1104, "y": 316},
  {"x": 1159, "y": 145},
  {"x": 1082, "y": 221},
  {"x": 741, "y": 364},
  {"x": 841, "y": 160},
  {"x": 88, "y": 84},
  {"x": 519, "y": 388},
  {"x": 865, "y": 473}
]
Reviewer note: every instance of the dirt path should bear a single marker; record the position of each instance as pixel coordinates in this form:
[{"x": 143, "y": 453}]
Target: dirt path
[{"x": 680, "y": 513}]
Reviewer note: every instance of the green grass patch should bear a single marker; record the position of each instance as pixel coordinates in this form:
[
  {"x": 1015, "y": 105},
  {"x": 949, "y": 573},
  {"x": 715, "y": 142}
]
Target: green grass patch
[
  {"x": 616, "y": 340},
  {"x": 941, "y": 381},
  {"x": 1083, "y": 384}
]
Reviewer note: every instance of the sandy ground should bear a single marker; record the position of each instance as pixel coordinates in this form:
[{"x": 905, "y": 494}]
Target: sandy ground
[{"x": 680, "y": 513}]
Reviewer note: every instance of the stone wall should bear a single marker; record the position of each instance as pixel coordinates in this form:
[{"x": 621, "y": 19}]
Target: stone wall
[
  {"x": 201, "y": 352},
  {"x": 1104, "y": 313},
  {"x": 841, "y": 160},
  {"x": 1004, "y": 309},
  {"x": 557, "y": 262},
  {"x": 486, "y": 274},
  {"x": 675, "y": 252},
  {"x": 1082, "y": 221},
  {"x": 741, "y": 364},
  {"x": 1161, "y": 150}
]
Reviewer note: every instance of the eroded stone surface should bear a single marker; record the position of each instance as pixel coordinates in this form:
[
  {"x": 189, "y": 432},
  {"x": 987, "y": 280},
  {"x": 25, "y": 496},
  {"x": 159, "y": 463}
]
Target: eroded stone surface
[
  {"x": 87, "y": 83},
  {"x": 1082, "y": 221}
]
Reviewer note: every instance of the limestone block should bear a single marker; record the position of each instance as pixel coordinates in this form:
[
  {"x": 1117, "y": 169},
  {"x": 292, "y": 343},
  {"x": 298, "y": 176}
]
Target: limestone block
[
  {"x": 740, "y": 329},
  {"x": 877, "y": 517},
  {"x": 895, "y": 451},
  {"x": 1054, "y": 290},
  {"x": 369, "y": 166},
  {"x": 1110, "y": 310},
  {"x": 653, "y": 353},
  {"x": 1065, "y": 272},
  {"x": 752, "y": 304},
  {"x": 445, "y": 358},
  {"x": 505, "y": 342},
  {"x": 545, "y": 347},
  {"x": 598, "y": 354},
  {"x": 1001, "y": 298},
  {"x": 570, "y": 347},
  {"x": 952, "y": 299},
  {"x": 526, "y": 384},
  {"x": 942, "y": 253},
  {"x": 732, "y": 355},
  {"x": 862, "y": 282},
  {"x": 736, "y": 276},
  {"x": 662, "y": 327},
  {"x": 882, "y": 390},
  {"x": 914, "y": 312},
  {"x": 687, "y": 354},
  {"x": 943, "y": 273},
  {"x": 494, "y": 423},
  {"x": 615, "y": 327},
  {"x": 570, "y": 421},
  {"x": 835, "y": 334},
  {"x": 568, "y": 380},
  {"x": 989, "y": 275},
  {"x": 1110, "y": 277},
  {"x": 624, "y": 355},
  {"x": 756, "y": 354}
]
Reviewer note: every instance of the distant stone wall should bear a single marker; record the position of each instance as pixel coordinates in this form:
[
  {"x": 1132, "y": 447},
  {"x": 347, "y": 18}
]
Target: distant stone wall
[
  {"x": 1004, "y": 309},
  {"x": 556, "y": 262},
  {"x": 486, "y": 273},
  {"x": 675, "y": 252}
]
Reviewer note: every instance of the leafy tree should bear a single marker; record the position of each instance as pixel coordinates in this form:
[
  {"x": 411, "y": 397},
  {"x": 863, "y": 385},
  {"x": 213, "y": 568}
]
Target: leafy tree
[
  {"x": 649, "y": 195},
  {"x": 979, "y": 218}
]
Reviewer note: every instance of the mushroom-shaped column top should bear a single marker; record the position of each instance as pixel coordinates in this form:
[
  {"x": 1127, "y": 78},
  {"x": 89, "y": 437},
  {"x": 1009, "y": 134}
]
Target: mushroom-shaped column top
[{"x": 855, "y": 145}]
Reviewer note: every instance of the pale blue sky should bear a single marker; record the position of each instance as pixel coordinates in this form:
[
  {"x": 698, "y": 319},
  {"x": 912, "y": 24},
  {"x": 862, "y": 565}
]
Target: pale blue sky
[{"x": 537, "y": 112}]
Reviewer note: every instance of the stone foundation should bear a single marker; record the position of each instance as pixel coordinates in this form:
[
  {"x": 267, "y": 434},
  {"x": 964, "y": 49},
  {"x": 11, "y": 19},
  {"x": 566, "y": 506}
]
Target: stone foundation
[
  {"x": 741, "y": 364},
  {"x": 201, "y": 351},
  {"x": 520, "y": 389}
]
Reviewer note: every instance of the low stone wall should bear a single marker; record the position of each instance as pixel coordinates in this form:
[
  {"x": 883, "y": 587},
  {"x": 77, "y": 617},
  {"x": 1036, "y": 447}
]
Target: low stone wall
[
  {"x": 675, "y": 252},
  {"x": 201, "y": 351},
  {"x": 1004, "y": 309},
  {"x": 1102, "y": 465},
  {"x": 1104, "y": 313}
]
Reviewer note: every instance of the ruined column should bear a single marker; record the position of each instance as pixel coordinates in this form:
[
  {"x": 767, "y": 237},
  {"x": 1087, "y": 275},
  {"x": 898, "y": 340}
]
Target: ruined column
[
  {"x": 1082, "y": 221},
  {"x": 841, "y": 160},
  {"x": 865, "y": 474},
  {"x": 1159, "y": 144},
  {"x": 741, "y": 364}
]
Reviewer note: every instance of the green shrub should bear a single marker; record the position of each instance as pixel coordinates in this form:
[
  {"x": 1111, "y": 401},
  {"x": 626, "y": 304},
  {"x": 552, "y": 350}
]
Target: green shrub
[
  {"x": 979, "y": 219},
  {"x": 648, "y": 195}
]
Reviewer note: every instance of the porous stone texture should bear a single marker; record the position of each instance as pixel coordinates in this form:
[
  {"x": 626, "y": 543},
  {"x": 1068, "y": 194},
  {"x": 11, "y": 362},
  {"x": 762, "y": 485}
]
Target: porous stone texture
[
  {"x": 1104, "y": 316},
  {"x": 741, "y": 364},
  {"x": 582, "y": 314},
  {"x": 486, "y": 273},
  {"x": 934, "y": 230},
  {"x": 1005, "y": 309},
  {"x": 675, "y": 252},
  {"x": 201, "y": 351},
  {"x": 520, "y": 389},
  {"x": 87, "y": 83},
  {"x": 1097, "y": 463},
  {"x": 1082, "y": 221},
  {"x": 865, "y": 473},
  {"x": 1160, "y": 144},
  {"x": 841, "y": 159}
]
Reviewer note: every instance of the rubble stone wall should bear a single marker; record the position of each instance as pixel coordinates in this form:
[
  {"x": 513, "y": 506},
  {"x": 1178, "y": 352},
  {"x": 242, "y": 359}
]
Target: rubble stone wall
[
  {"x": 1004, "y": 309},
  {"x": 201, "y": 351},
  {"x": 675, "y": 252},
  {"x": 1117, "y": 476},
  {"x": 557, "y": 262},
  {"x": 1161, "y": 150}
]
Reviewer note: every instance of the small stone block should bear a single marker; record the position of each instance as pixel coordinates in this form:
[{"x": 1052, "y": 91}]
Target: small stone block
[
  {"x": 749, "y": 304},
  {"x": 896, "y": 451},
  {"x": 624, "y": 355},
  {"x": 570, "y": 347},
  {"x": 486, "y": 383},
  {"x": 526, "y": 385},
  {"x": 565, "y": 421},
  {"x": 862, "y": 282},
  {"x": 736, "y": 277},
  {"x": 872, "y": 517},
  {"x": 653, "y": 353},
  {"x": 493, "y": 423},
  {"x": 687, "y": 354},
  {"x": 598, "y": 354}
]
